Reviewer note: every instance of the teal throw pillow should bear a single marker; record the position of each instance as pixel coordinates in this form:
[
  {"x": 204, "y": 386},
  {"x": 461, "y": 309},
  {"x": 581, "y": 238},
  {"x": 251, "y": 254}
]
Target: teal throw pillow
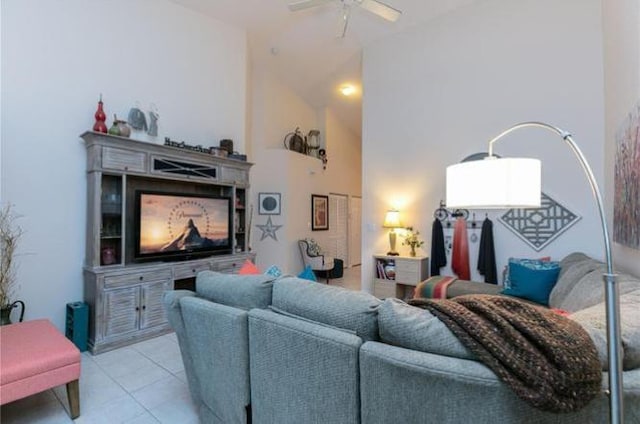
[
  {"x": 532, "y": 279},
  {"x": 522, "y": 261},
  {"x": 274, "y": 271},
  {"x": 307, "y": 274}
]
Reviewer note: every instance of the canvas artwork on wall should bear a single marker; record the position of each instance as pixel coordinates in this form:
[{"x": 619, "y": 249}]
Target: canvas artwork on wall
[
  {"x": 269, "y": 204},
  {"x": 626, "y": 209},
  {"x": 319, "y": 212}
]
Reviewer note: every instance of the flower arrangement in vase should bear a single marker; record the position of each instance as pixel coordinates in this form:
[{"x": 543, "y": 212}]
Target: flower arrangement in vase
[
  {"x": 412, "y": 240},
  {"x": 10, "y": 233}
]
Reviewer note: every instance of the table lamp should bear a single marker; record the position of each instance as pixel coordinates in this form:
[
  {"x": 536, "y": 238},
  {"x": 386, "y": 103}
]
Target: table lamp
[
  {"x": 392, "y": 221},
  {"x": 515, "y": 183}
]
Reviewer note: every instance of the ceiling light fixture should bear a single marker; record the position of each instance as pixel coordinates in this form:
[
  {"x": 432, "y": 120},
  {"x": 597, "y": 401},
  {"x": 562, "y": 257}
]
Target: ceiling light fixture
[{"x": 347, "y": 90}]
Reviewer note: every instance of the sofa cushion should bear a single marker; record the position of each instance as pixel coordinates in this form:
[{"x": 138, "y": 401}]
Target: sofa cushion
[
  {"x": 589, "y": 290},
  {"x": 572, "y": 269},
  {"x": 239, "y": 291},
  {"x": 333, "y": 306},
  {"x": 414, "y": 328},
  {"x": 571, "y": 259},
  {"x": 594, "y": 320},
  {"x": 532, "y": 279}
]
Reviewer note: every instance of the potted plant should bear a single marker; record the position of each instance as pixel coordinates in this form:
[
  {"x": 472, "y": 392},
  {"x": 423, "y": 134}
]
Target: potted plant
[
  {"x": 412, "y": 240},
  {"x": 10, "y": 234}
]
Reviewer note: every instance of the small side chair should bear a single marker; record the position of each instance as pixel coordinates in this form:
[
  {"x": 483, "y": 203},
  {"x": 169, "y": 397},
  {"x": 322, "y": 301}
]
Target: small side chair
[{"x": 312, "y": 256}]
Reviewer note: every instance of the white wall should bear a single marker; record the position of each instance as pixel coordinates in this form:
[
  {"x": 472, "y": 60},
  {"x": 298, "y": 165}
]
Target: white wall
[
  {"x": 435, "y": 94},
  {"x": 57, "y": 57},
  {"x": 621, "y": 24},
  {"x": 276, "y": 111}
]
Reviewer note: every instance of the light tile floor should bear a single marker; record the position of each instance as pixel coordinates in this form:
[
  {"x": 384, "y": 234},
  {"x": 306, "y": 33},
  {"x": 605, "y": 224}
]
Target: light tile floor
[
  {"x": 351, "y": 279},
  {"x": 143, "y": 383}
]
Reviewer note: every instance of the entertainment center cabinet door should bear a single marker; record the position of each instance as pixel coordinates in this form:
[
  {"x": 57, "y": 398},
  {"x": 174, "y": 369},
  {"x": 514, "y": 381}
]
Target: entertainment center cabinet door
[
  {"x": 152, "y": 313},
  {"x": 133, "y": 302},
  {"x": 130, "y": 309},
  {"x": 120, "y": 311}
]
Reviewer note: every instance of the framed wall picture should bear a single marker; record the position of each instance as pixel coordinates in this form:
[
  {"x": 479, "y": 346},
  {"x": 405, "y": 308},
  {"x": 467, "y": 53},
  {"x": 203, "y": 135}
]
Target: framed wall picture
[
  {"x": 269, "y": 204},
  {"x": 319, "y": 212}
]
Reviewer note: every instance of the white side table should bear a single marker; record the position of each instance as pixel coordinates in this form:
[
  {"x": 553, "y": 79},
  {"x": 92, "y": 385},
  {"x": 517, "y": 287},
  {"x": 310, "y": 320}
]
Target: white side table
[{"x": 397, "y": 276}]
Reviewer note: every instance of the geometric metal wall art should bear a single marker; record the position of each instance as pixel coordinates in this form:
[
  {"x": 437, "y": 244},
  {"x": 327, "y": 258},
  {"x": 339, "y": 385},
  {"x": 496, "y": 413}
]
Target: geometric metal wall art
[{"x": 539, "y": 226}]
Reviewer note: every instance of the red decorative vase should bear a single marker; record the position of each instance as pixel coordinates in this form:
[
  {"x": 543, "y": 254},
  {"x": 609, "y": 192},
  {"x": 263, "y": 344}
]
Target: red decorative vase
[{"x": 100, "y": 116}]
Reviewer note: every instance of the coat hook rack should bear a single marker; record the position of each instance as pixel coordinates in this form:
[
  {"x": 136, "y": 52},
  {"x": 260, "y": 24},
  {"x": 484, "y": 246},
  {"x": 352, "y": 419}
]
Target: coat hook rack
[{"x": 446, "y": 216}]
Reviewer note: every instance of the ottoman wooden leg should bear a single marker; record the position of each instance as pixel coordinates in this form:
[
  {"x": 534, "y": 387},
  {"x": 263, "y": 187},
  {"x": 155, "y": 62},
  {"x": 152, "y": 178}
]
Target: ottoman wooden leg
[{"x": 73, "y": 394}]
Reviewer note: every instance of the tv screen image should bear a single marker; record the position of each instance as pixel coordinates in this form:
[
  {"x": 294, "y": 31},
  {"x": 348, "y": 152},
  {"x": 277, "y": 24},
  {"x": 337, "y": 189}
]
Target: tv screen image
[{"x": 174, "y": 224}]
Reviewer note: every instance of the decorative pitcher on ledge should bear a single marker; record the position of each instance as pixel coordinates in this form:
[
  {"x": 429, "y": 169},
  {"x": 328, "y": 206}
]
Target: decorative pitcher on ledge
[{"x": 5, "y": 312}]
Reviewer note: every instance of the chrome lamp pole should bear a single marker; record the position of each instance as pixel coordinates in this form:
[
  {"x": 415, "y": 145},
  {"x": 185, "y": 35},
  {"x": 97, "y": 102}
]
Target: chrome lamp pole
[{"x": 498, "y": 183}]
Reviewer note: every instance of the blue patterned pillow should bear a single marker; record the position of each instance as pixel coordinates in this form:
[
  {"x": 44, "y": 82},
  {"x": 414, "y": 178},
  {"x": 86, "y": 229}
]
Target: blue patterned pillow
[
  {"x": 307, "y": 274},
  {"x": 313, "y": 249},
  {"x": 532, "y": 279},
  {"x": 273, "y": 271},
  {"x": 522, "y": 261}
]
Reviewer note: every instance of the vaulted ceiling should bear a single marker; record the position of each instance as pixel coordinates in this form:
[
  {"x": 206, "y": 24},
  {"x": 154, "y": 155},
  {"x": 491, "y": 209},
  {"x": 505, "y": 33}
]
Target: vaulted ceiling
[{"x": 303, "y": 49}]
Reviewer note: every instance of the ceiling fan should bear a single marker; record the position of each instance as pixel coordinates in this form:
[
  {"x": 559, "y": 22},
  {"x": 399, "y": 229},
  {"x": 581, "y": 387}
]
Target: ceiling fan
[{"x": 374, "y": 6}]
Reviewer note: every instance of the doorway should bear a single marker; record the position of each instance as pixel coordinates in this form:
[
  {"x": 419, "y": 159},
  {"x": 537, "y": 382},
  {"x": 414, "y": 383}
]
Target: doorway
[
  {"x": 355, "y": 231},
  {"x": 345, "y": 217}
]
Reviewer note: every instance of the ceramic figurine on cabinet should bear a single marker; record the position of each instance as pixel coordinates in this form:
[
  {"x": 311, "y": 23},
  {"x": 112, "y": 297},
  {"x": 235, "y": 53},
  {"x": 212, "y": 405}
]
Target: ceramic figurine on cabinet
[
  {"x": 100, "y": 116},
  {"x": 137, "y": 119},
  {"x": 153, "y": 121}
]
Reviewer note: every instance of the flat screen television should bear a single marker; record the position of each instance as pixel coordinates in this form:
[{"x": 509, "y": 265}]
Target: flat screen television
[{"x": 178, "y": 226}]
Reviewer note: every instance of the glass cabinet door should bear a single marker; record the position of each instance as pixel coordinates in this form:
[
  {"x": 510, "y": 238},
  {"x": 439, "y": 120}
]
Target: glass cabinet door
[{"x": 111, "y": 220}]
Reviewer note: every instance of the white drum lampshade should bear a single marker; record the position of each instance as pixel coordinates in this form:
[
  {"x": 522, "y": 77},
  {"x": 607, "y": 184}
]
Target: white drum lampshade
[{"x": 494, "y": 183}]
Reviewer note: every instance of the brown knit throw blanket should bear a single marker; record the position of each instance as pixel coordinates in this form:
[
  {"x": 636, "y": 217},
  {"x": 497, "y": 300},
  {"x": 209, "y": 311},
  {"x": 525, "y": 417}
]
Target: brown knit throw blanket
[{"x": 546, "y": 359}]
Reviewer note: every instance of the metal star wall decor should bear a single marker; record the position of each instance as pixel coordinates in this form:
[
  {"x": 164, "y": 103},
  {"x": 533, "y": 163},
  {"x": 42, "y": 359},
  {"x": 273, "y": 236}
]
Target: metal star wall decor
[
  {"x": 539, "y": 226},
  {"x": 269, "y": 230}
]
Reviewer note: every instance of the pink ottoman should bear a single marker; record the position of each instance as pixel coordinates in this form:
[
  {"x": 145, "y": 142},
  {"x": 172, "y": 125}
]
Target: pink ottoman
[{"x": 34, "y": 357}]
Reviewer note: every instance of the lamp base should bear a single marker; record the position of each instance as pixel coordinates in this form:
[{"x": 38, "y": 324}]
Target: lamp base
[{"x": 393, "y": 254}]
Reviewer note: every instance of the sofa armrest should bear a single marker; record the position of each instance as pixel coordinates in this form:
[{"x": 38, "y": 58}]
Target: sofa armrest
[
  {"x": 462, "y": 287},
  {"x": 441, "y": 389},
  {"x": 218, "y": 342},
  {"x": 171, "y": 301}
]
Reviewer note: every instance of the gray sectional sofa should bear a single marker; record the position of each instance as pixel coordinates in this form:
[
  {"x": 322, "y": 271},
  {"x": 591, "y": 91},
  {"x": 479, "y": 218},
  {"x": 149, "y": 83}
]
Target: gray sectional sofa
[{"x": 264, "y": 350}]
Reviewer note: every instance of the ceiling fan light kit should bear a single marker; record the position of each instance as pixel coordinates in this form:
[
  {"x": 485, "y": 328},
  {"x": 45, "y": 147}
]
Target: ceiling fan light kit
[{"x": 374, "y": 6}]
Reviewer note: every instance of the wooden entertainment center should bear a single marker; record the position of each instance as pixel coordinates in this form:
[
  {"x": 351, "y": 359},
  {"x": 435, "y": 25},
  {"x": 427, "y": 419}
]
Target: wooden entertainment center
[{"x": 124, "y": 295}]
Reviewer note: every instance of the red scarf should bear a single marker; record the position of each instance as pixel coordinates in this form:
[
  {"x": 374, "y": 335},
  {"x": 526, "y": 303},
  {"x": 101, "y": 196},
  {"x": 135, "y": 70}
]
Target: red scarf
[{"x": 460, "y": 255}]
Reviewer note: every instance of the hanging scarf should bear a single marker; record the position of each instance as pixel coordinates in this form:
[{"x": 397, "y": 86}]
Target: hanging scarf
[
  {"x": 460, "y": 254},
  {"x": 438, "y": 253},
  {"x": 487, "y": 254}
]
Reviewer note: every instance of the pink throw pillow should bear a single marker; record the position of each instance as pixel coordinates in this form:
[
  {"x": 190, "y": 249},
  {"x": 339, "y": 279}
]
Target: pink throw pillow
[{"x": 249, "y": 268}]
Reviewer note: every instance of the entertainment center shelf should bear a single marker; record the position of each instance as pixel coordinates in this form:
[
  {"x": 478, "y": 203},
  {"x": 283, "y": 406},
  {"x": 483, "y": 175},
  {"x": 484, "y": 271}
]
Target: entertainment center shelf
[{"x": 125, "y": 293}]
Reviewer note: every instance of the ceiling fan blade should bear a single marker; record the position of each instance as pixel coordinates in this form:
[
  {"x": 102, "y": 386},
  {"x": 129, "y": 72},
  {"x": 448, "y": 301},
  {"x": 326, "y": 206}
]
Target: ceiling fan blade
[
  {"x": 383, "y": 10},
  {"x": 344, "y": 21},
  {"x": 306, "y": 4}
]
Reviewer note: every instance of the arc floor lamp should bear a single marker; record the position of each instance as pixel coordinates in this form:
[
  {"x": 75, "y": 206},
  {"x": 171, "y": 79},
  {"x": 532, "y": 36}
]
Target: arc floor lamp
[{"x": 495, "y": 183}]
